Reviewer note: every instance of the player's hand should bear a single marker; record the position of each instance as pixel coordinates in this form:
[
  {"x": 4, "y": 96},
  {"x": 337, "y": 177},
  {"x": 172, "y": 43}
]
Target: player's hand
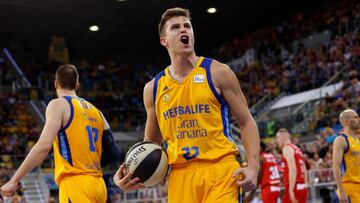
[
  {"x": 292, "y": 197},
  {"x": 248, "y": 178},
  {"x": 9, "y": 188},
  {"x": 342, "y": 196},
  {"x": 124, "y": 181}
]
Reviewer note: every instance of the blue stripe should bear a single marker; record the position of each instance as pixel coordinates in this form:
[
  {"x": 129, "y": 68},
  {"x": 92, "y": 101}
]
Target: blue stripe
[
  {"x": 239, "y": 197},
  {"x": 64, "y": 146},
  {"x": 343, "y": 167},
  {"x": 225, "y": 115},
  {"x": 347, "y": 142},
  {"x": 68, "y": 98},
  {"x": 165, "y": 145},
  {"x": 69, "y": 201},
  {"x": 157, "y": 78}
]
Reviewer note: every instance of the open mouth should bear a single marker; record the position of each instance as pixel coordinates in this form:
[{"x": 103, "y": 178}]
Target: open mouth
[{"x": 184, "y": 39}]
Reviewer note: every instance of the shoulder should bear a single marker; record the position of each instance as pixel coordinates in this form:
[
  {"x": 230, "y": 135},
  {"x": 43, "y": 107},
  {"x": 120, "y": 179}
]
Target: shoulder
[
  {"x": 221, "y": 74},
  {"x": 341, "y": 141},
  {"x": 58, "y": 102},
  {"x": 218, "y": 68},
  {"x": 149, "y": 86}
]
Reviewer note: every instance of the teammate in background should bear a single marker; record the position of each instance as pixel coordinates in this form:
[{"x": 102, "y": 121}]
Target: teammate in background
[
  {"x": 270, "y": 176},
  {"x": 79, "y": 134},
  {"x": 295, "y": 174},
  {"x": 188, "y": 107},
  {"x": 346, "y": 158}
]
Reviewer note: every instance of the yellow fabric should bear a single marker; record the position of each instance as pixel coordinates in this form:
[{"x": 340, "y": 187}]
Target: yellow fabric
[
  {"x": 204, "y": 182},
  {"x": 353, "y": 191},
  {"x": 82, "y": 189},
  {"x": 193, "y": 121},
  {"x": 351, "y": 161},
  {"x": 78, "y": 147}
]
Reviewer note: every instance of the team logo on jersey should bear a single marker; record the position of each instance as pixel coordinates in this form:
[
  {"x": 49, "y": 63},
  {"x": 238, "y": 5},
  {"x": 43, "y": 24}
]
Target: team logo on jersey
[
  {"x": 166, "y": 98},
  {"x": 198, "y": 78}
]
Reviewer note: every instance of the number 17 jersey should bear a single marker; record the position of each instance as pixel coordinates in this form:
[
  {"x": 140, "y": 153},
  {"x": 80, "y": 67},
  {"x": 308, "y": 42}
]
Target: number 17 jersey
[{"x": 78, "y": 147}]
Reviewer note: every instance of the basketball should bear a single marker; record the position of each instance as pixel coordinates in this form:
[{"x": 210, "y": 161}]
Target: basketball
[{"x": 147, "y": 161}]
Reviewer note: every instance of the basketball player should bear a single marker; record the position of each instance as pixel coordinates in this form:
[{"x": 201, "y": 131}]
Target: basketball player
[
  {"x": 270, "y": 176},
  {"x": 78, "y": 132},
  {"x": 188, "y": 107},
  {"x": 346, "y": 158},
  {"x": 295, "y": 174}
]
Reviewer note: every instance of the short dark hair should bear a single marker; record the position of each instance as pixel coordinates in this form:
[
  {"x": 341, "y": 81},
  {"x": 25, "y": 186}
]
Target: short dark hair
[
  {"x": 170, "y": 13},
  {"x": 67, "y": 76},
  {"x": 283, "y": 130}
]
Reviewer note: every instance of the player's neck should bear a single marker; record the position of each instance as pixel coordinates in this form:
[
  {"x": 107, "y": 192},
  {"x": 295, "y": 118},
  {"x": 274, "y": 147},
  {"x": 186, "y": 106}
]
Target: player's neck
[
  {"x": 182, "y": 64},
  {"x": 350, "y": 132},
  {"x": 64, "y": 92}
]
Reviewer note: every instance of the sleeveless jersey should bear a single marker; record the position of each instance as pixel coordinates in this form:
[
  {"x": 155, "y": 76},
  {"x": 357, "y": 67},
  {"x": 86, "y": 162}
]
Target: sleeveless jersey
[
  {"x": 350, "y": 167},
  {"x": 193, "y": 118},
  {"x": 299, "y": 162},
  {"x": 270, "y": 171},
  {"x": 78, "y": 147}
]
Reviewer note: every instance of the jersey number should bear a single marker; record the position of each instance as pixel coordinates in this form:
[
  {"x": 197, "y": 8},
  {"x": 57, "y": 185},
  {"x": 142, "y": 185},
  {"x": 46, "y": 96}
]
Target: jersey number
[
  {"x": 274, "y": 172},
  {"x": 188, "y": 151},
  {"x": 93, "y": 135}
]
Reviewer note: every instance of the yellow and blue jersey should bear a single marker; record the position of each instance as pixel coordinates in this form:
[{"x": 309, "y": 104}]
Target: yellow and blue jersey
[
  {"x": 78, "y": 146},
  {"x": 350, "y": 166},
  {"x": 193, "y": 118}
]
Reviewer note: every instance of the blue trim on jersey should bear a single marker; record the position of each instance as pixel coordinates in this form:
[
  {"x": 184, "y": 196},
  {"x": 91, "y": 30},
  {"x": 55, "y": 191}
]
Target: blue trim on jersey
[
  {"x": 225, "y": 114},
  {"x": 68, "y": 98},
  {"x": 165, "y": 145},
  {"x": 64, "y": 146},
  {"x": 69, "y": 201},
  {"x": 343, "y": 167},
  {"x": 239, "y": 197},
  {"x": 157, "y": 78},
  {"x": 347, "y": 142}
]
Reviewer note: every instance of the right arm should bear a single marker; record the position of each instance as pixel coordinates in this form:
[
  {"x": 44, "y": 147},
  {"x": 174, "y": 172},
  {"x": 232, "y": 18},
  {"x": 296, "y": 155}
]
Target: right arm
[
  {"x": 111, "y": 152},
  {"x": 288, "y": 153},
  {"x": 152, "y": 131},
  {"x": 338, "y": 153}
]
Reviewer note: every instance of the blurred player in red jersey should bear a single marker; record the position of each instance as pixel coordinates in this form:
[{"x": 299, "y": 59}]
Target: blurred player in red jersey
[
  {"x": 270, "y": 176},
  {"x": 295, "y": 174}
]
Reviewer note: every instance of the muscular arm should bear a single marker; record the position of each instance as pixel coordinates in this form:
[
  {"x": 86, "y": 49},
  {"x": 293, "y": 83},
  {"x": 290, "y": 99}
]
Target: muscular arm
[
  {"x": 228, "y": 84},
  {"x": 288, "y": 153},
  {"x": 111, "y": 152},
  {"x": 38, "y": 153},
  {"x": 338, "y": 153},
  {"x": 152, "y": 131}
]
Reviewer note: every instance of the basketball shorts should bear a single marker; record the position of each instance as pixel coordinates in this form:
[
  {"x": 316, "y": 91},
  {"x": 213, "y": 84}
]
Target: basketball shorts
[
  {"x": 300, "y": 192},
  {"x": 353, "y": 191},
  {"x": 204, "y": 182},
  {"x": 270, "y": 194},
  {"x": 82, "y": 189}
]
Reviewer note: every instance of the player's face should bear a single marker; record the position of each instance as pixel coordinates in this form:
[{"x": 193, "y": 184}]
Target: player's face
[
  {"x": 279, "y": 140},
  {"x": 354, "y": 121},
  {"x": 178, "y": 36}
]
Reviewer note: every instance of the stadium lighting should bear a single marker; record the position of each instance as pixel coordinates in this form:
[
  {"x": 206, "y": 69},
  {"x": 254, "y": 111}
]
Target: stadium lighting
[
  {"x": 211, "y": 10},
  {"x": 121, "y": 0},
  {"x": 94, "y": 28}
]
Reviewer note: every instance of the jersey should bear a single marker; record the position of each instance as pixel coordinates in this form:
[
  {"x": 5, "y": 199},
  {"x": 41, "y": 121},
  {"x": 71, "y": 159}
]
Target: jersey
[
  {"x": 193, "y": 118},
  {"x": 350, "y": 167},
  {"x": 270, "y": 172},
  {"x": 299, "y": 163},
  {"x": 78, "y": 147}
]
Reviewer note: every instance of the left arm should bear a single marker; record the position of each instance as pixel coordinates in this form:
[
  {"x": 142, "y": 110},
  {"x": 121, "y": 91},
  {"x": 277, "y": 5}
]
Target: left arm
[
  {"x": 41, "y": 149},
  {"x": 228, "y": 84}
]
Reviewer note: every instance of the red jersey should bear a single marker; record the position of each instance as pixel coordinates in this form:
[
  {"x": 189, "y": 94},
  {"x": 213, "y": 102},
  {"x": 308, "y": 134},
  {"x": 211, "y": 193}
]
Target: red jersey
[
  {"x": 270, "y": 173},
  {"x": 299, "y": 163}
]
